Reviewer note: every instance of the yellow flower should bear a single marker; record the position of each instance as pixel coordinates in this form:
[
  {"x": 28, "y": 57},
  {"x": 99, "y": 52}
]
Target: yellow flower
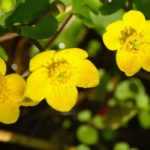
[
  {"x": 131, "y": 38},
  {"x": 11, "y": 93},
  {"x": 55, "y": 76}
]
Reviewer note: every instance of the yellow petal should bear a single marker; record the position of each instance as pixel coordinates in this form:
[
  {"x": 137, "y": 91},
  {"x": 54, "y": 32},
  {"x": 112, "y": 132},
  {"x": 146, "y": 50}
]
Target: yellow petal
[
  {"x": 16, "y": 87},
  {"x": 111, "y": 37},
  {"x": 72, "y": 54},
  {"x": 128, "y": 62},
  {"x": 88, "y": 75},
  {"x": 62, "y": 98},
  {"x": 134, "y": 19},
  {"x": 36, "y": 83},
  {"x": 41, "y": 59},
  {"x": 146, "y": 32},
  {"x": 8, "y": 114},
  {"x": 146, "y": 57},
  {"x": 2, "y": 67}
]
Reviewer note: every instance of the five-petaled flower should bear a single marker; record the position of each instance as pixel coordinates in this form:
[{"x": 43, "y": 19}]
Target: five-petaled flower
[
  {"x": 131, "y": 38},
  {"x": 55, "y": 76},
  {"x": 12, "y": 88}
]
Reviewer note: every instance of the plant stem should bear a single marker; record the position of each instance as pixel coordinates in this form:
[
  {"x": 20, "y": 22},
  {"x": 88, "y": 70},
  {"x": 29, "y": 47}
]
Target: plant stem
[
  {"x": 8, "y": 36},
  {"x": 10, "y": 137},
  {"x": 52, "y": 39}
]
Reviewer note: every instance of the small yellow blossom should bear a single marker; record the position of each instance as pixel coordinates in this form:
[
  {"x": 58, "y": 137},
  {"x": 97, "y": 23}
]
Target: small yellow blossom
[
  {"x": 131, "y": 38},
  {"x": 55, "y": 76},
  {"x": 12, "y": 88}
]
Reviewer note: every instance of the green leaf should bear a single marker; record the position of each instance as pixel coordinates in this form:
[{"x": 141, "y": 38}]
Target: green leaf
[
  {"x": 3, "y": 54},
  {"x": 144, "y": 119},
  {"x": 66, "y": 2},
  {"x": 72, "y": 34},
  {"x": 2, "y": 30},
  {"x": 129, "y": 89},
  {"x": 93, "y": 47},
  {"x": 101, "y": 21},
  {"x": 84, "y": 115},
  {"x": 109, "y": 135},
  {"x": 93, "y": 5},
  {"x": 142, "y": 101},
  {"x": 28, "y": 11},
  {"x": 87, "y": 135},
  {"x": 81, "y": 10},
  {"x": 97, "y": 121},
  {"x": 111, "y": 7},
  {"x": 119, "y": 115},
  {"x": 143, "y": 5},
  {"x": 44, "y": 29},
  {"x": 122, "y": 146},
  {"x": 7, "y": 5},
  {"x": 82, "y": 147}
]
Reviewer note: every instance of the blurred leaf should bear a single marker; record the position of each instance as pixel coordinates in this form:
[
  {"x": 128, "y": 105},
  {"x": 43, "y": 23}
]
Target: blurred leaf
[
  {"x": 3, "y": 54},
  {"x": 28, "y": 11},
  {"x": 66, "y": 2},
  {"x": 33, "y": 51},
  {"x": 143, "y": 5},
  {"x": 129, "y": 89},
  {"x": 112, "y": 6},
  {"x": 93, "y": 47},
  {"x": 2, "y": 30},
  {"x": 7, "y": 5},
  {"x": 109, "y": 135},
  {"x": 83, "y": 147},
  {"x": 144, "y": 119},
  {"x": 3, "y": 17},
  {"x": 100, "y": 21},
  {"x": 93, "y": 5},
  {"x": 119, "y": 115},
  {"x": 87, "y": 135},
  {"x": 44, "y": 29},
  {"x": 67, "y": 124},
  {"x": 101, "y": 89},
  {"x": 122, "y": 146},
  {"x": 97, "y": 121},
  {"x": 84, "y": 116},
  {"x": 81, "y": 9},
  {"x": 142, "y": 101},
  {"x": 72, "y": 34}
]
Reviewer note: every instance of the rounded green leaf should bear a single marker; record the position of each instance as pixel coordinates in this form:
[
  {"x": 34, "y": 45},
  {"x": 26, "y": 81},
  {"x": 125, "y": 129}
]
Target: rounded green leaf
[
  {"x": 144, "y": 118},
  {"x": 97, "y": 121},
  {"x": 87, "y": 135},
  {"x": 7, "y": 5},
  {"x": 84, "y": 116},
  {"x": 122, "y": 146},
  {"x": 83, "y": 147}
]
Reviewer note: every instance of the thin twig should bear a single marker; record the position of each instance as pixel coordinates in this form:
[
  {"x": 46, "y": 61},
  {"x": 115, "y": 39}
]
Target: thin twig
[
  {"x": 8, "y": 36},
  {"x": 10, "y": 137},
  {"x": 37, "y": 44},
  {"x": 52, "y": 39}
]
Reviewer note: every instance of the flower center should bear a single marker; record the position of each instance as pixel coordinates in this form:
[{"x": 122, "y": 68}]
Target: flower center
[
  {"x": 130, "y": 39},
  {"x": 59, "y": 72}
]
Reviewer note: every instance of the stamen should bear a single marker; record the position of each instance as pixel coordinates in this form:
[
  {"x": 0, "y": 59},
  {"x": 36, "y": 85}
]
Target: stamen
[
  {"x": 59, "y": 71},
  {"x": 130, "y": 39}
]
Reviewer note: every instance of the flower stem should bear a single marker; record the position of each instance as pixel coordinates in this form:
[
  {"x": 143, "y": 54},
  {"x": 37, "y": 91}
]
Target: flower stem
[
  {"x": 52, "y": 39},
  {"x": 10, "y": 137}
]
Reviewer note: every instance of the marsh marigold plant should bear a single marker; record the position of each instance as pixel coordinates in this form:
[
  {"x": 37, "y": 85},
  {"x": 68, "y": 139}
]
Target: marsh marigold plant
[
  {"x": 55, "y": 77},
  {"x": 131, "y": 38},
  {"x": 12, "y": 88}
]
